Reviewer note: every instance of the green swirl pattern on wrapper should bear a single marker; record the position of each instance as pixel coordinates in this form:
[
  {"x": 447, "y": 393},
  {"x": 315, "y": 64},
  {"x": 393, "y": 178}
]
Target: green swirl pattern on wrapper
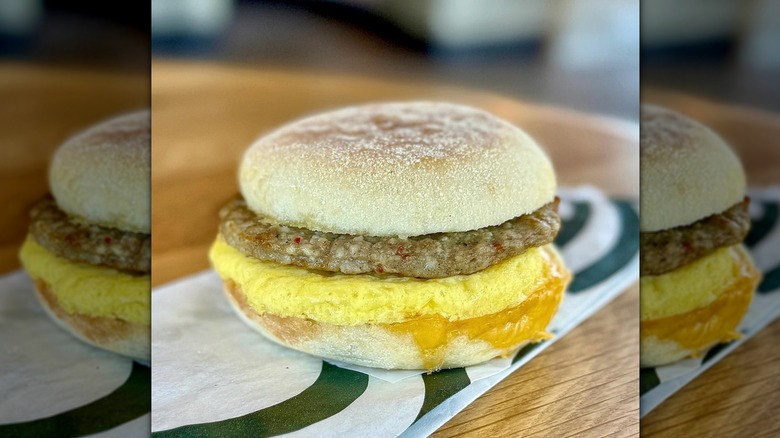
[
  {"x": 440, "y": 386},
  {"x": 760, "y": 229},
  {"x": 771, "y": 281},
  {"x": 618, "y": 256},
  {"x": 573, "y": 226},
  {"x": 126, "y": 403},
  {"x": 761, "y": 226},
  {"x": 333, "y": 391}
]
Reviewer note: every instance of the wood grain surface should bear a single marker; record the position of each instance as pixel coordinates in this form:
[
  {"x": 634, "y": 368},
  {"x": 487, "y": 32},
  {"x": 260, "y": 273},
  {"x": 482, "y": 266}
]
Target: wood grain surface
[
  {"x": 740, "y": 395},
  {"x": 42, "y": 106},
  {"x": 204, "y": 116}
]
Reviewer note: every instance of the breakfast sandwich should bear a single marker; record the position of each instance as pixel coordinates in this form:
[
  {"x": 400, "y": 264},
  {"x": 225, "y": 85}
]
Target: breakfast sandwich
[
  {"x": 395, "y": 235},
  {"x": 697, "y": 280},
  {"x": 88, "y": 250}
]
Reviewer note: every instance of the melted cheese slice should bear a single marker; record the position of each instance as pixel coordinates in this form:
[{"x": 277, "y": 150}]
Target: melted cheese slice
[
  {"x": 87, "y": 289},
  {"x": 424, "y": 307},
  {"x": 505, "y": 330}
]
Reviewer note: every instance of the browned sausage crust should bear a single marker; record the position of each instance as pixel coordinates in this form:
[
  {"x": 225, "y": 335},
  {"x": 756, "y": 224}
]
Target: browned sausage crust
[
  {"x": 666, "y": 250},
  {"x": 427, "y": 256},
  {"x": 79, "y": 241}
]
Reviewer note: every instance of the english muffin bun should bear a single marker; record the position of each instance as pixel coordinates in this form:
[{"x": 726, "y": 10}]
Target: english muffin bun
[
  {"x": 697, "y": 279},
  {"x": 396, "y": 169},
  {"x": 102, "y": 174},
  {"x": 357, "y": 230},
  {"x": 89, "y": 251},
  {"x": 688, "y": 172}
]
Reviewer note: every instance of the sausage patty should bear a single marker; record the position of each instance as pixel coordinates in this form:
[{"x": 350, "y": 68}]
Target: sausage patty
[
  {"x": 666, "y": 250},
  {"x": 79, "y": 241},
  {"x": 426, "y": 256}
]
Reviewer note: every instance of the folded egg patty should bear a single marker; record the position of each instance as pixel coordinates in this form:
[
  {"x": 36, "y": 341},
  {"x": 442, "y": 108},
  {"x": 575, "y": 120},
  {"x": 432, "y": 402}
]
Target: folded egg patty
[
  {"x": 86, "y": 289},
  {"x": 349, "y": 299}
]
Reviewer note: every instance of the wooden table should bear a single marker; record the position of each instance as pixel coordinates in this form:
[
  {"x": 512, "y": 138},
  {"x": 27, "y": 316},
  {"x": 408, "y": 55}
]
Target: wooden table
[
  {"x": 41, "y": 107},
  {"x": 204, "y": 116},
  {"x": 740, "y": 395}
]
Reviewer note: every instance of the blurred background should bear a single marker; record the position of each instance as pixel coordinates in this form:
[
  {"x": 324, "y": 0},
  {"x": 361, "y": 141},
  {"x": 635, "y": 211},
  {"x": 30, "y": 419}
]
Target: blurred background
[
  {"x": 581, "y": 55},
  {"x": 76, "y": 33},
  {"x": 726, "y": 51}
]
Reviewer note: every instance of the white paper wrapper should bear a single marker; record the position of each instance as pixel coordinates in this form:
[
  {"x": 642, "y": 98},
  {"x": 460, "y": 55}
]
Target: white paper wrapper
[
  {"x": 51, "y": 383},
  {"x": 213, "y": 374},
  {"x": 763, "y": 242}
]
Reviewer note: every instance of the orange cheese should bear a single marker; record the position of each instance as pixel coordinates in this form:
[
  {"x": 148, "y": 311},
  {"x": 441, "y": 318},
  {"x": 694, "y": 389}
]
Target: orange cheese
[{"x": 505, "y": 330}]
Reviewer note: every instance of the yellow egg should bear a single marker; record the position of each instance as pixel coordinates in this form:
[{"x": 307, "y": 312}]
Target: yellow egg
[
  {"x": 89, "y": 290},
  {"x": 692, "y": 286},
  {"x": 360, "y": 299}
]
